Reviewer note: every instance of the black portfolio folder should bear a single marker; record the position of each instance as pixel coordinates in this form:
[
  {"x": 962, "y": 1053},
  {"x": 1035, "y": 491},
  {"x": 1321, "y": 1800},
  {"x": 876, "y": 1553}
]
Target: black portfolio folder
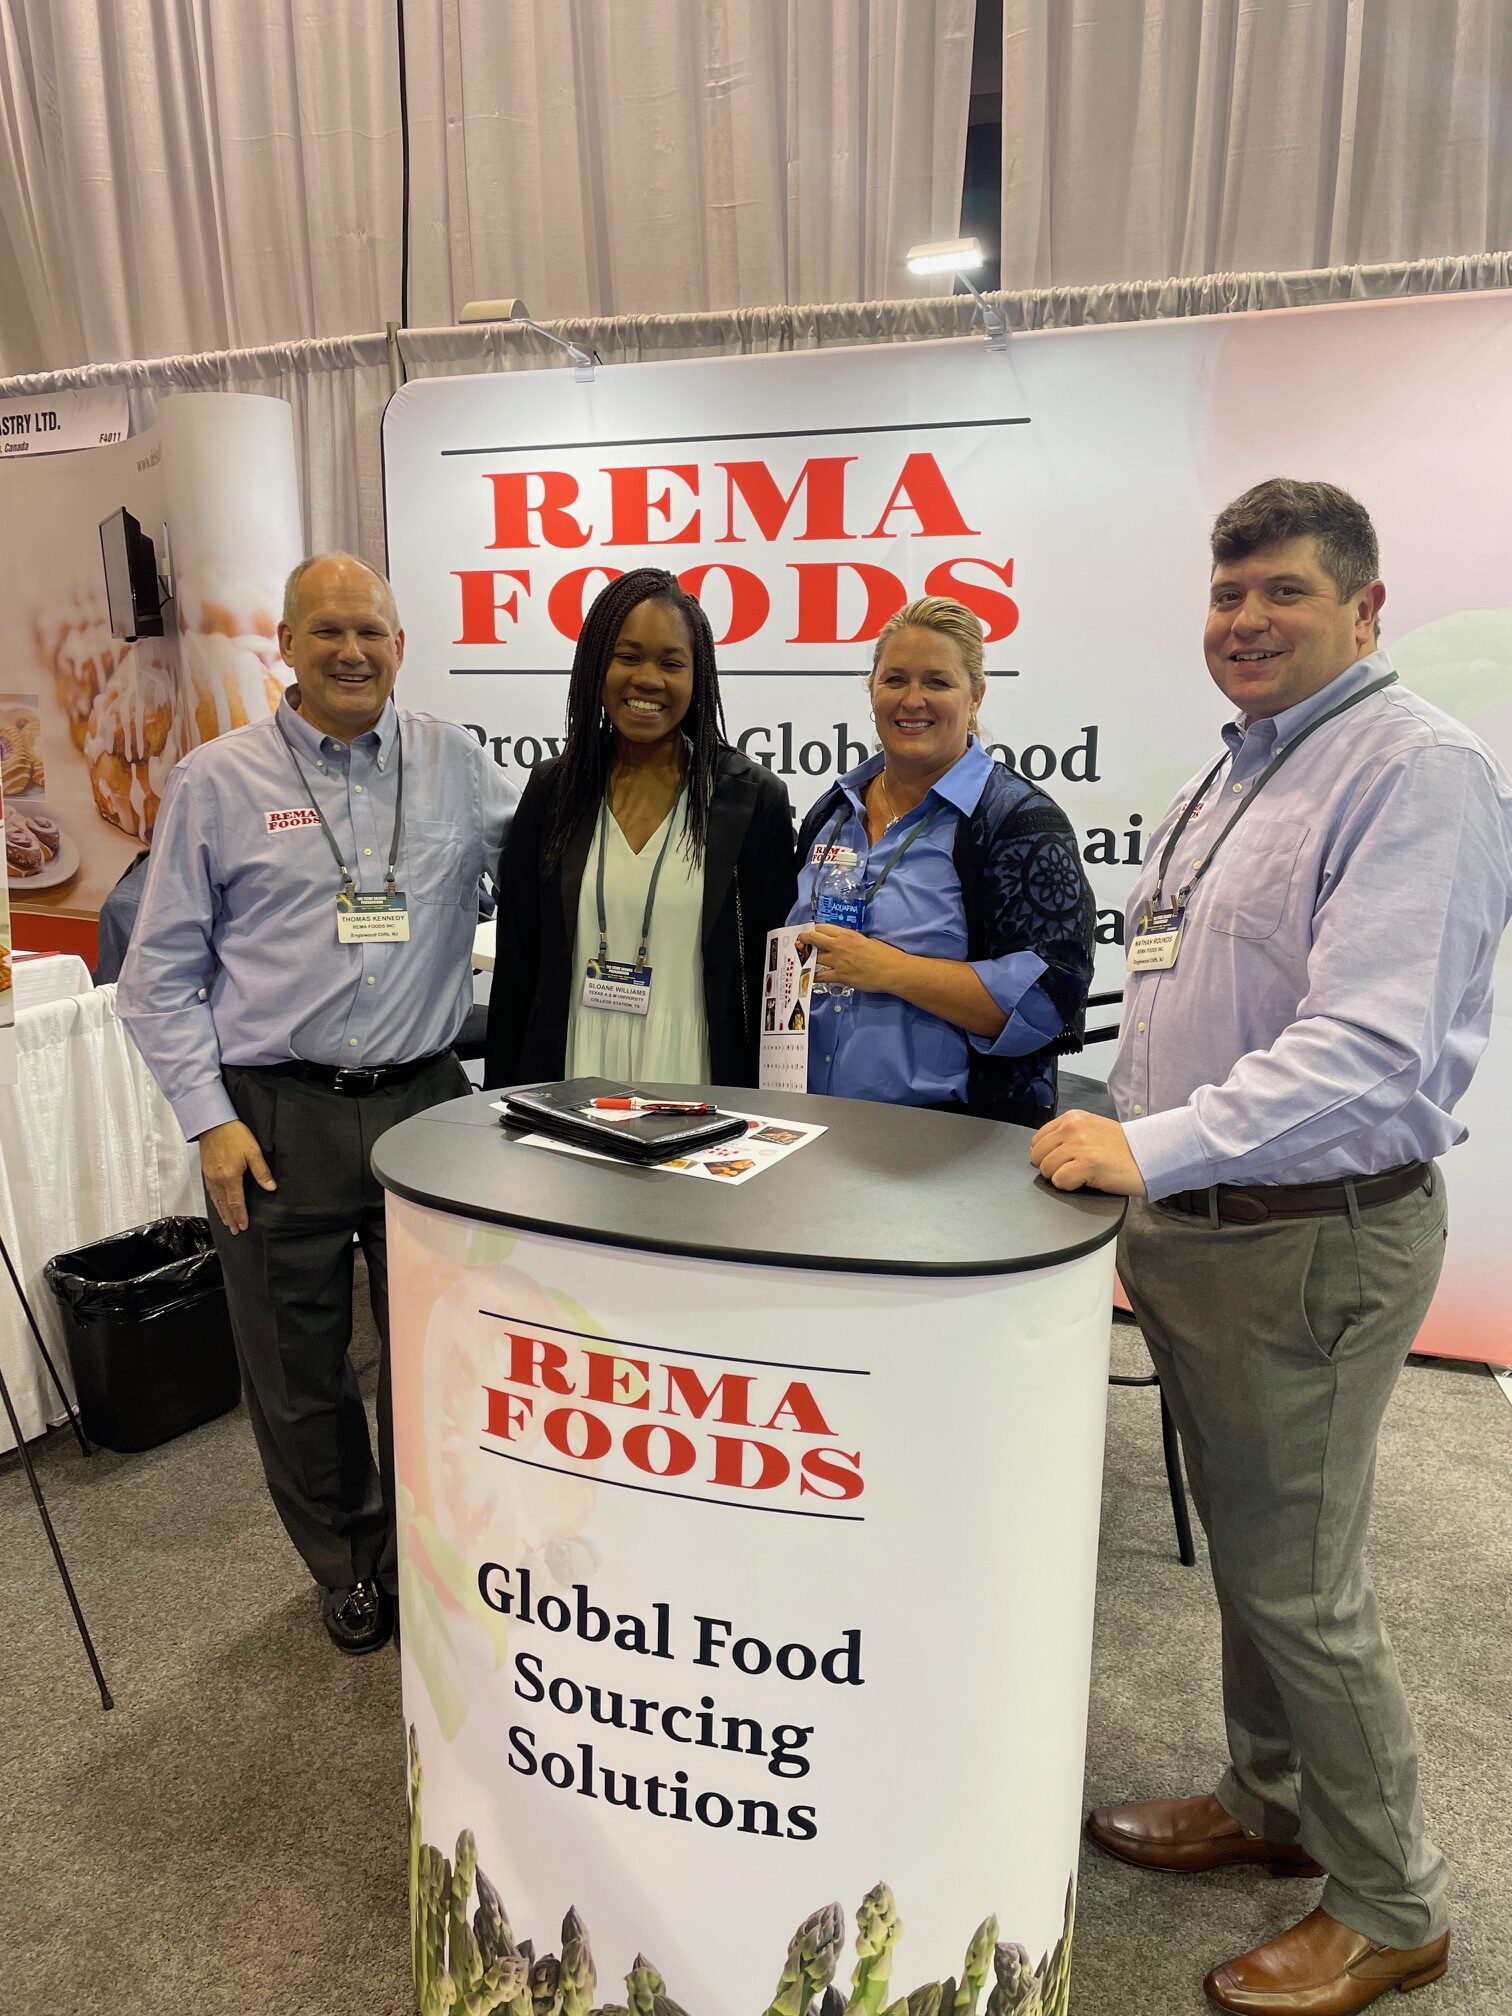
[{"x": 559, "y": 1110}]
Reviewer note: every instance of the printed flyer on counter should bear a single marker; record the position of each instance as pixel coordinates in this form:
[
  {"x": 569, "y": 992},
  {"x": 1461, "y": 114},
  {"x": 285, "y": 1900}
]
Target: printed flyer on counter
[{"x": 764, "y": 1142}]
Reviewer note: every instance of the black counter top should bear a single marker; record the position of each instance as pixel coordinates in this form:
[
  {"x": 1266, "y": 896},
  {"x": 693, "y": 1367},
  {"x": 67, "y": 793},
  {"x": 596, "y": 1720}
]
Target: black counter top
[{"x": 887, "y": 1190}]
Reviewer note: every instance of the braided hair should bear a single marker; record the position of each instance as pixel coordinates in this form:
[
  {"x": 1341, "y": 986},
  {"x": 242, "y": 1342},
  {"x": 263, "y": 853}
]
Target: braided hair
[{"x": 582, "y": 777}]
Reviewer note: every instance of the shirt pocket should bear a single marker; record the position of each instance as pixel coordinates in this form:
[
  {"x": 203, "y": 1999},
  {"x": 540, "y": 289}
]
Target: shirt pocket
[
  {"x": 1248, "y": 893},
  {"x": 440, "y": 864}
]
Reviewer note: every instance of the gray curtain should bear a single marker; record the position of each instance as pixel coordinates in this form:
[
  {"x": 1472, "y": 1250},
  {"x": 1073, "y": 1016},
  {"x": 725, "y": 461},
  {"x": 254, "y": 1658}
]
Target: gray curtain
[
  {"x": 338, "y": 387},
  {"x": 1154, "y": 137},
  {"x": 192, "y": 175}
]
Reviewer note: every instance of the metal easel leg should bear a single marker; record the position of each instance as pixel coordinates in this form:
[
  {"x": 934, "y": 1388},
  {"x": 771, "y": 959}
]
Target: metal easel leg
[{"x": 106, "y": 1700}]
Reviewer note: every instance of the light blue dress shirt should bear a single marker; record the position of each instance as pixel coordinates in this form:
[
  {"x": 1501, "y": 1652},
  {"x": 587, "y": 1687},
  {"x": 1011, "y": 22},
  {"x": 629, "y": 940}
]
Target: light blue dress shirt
[
  {"x": 235, "y": 959},
  {"x": 1332, "y": 994},
  {"x": 875, "y": 1046}
]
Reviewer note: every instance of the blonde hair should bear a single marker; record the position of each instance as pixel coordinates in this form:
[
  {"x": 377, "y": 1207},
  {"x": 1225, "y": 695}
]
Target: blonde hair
[{"x": 949, "y": 619}]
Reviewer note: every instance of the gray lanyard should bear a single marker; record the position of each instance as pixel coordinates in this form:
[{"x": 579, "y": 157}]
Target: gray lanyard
[
  {"x": 896, "y": 856},
  {"x": 347, "y": 882},
  {"x": 645, "y": 931},
  {"x": 1190, "y": 810}
]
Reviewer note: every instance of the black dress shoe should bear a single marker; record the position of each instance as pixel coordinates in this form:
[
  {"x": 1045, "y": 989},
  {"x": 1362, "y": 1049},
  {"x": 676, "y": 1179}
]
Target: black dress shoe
[{"x": 359, "y": 1619}]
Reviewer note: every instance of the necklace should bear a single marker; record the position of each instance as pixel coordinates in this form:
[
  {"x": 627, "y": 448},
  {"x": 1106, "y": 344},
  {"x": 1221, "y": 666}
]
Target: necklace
[{"x": 892, "y": 817}]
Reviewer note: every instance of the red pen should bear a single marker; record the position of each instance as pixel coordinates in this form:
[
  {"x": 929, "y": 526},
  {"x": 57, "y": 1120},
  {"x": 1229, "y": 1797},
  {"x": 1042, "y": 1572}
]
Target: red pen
[{"x": 651, "y": 1105}]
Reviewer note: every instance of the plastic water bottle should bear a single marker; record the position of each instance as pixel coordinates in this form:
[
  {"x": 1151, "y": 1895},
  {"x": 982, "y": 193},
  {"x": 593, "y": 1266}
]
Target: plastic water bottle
[{"x": 839, "y": 901}]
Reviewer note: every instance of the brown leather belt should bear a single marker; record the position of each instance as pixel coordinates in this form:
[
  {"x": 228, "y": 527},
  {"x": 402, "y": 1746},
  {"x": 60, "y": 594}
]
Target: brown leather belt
[{"x": 1253, "y": 1204}]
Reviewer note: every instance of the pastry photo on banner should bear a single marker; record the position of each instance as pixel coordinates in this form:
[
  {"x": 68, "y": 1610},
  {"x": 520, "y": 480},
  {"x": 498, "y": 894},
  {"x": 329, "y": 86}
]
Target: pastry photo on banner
[{"x": 99, "y": 718}]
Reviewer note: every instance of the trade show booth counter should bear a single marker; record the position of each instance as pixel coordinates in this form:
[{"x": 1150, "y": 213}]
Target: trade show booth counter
[{"x": 649, "y": 1700}]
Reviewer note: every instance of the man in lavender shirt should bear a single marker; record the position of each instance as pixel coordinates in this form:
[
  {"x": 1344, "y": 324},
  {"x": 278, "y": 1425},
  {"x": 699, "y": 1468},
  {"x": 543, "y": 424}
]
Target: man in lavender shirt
[
  {"x": 1309, "y": 994},
  {"x": 298, "y": 974}
]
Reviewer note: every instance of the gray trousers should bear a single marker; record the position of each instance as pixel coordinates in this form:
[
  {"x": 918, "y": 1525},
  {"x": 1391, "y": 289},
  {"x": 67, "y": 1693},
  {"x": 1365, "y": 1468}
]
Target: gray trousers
[
  {"x": 289, "y": 1291},
  {"x": 1278, "y": 1346}
]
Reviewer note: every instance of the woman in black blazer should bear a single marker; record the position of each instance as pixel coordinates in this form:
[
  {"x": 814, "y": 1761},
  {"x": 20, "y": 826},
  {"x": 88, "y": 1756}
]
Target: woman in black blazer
[{"x": 646, "y": 749}]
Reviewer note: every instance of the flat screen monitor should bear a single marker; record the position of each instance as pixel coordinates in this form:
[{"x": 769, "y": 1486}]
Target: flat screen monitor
[{"x": 131, "y": 577}]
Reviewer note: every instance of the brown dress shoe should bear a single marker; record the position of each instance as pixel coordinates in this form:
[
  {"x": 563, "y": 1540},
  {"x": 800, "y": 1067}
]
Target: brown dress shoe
[
  {"x": 1321, "y": 1968},
  {"x": 1186, "y": 1836}
]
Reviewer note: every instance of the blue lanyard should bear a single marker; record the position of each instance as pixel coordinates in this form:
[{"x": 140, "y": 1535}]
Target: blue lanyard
[{"x": 896, "y": 856}]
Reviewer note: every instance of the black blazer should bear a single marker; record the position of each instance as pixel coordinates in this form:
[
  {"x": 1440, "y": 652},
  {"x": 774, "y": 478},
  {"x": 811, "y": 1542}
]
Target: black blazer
[{"x": 750, "y": 884}]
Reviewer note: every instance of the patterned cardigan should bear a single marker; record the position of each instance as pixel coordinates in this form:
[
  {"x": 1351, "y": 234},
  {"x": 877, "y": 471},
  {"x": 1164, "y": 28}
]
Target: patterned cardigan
[{"x": 1022, "y": 889}]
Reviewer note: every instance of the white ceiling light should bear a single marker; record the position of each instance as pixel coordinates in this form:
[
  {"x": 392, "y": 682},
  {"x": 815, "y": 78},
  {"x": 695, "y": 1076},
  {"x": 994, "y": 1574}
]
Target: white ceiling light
[
  {"x": 947, "y": 255},
  {"x": 960, "y": 257}
]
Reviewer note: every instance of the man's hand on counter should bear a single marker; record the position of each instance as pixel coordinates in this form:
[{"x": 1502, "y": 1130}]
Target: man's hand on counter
[
  {"x": 1083, "y": 1151},
  {"x": 227, "y": 1154}
]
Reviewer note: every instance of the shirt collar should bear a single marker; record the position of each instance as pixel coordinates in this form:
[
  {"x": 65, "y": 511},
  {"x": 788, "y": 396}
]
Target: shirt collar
[
  {"x": 310, "y": 740},
  {"x": 961, "y": 787},
  {"x": 1276, "y": 729}
]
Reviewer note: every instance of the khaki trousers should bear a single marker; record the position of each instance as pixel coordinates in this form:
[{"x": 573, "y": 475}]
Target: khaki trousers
[{"x": 1278, "y": 1346}]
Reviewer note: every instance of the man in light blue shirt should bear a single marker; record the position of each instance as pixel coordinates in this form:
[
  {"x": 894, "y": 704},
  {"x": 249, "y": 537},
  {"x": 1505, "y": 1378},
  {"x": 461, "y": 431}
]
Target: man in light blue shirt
[
  {"x": 1311, "y": 945},
  {"x": 298, "y": 974}
]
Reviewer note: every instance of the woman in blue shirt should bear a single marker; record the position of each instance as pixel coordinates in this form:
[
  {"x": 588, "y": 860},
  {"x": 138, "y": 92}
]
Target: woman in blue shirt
[{"x": 970, "y": 975}]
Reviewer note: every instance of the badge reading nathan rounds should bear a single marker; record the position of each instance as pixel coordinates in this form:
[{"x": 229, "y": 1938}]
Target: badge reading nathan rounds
[
  {"x": 378, "y": 919},
  {"x": 1156, "y": 942}
]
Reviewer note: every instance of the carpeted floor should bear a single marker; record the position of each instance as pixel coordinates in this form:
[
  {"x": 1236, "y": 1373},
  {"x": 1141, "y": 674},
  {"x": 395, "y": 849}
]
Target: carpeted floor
[{"x": 230, "y": 1840}]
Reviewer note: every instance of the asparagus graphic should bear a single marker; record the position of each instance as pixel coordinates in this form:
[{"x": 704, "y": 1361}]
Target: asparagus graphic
[
  {"x": 476, "y": 1967},
  {"x": 978, "y": 1967},
  {"x": 642, "y": 1986},
  {"x": 579, "y": 1975},
  {"x": 416, "y": 1844},
  {"x": 1057, "y": 1990},
  {"x": 878, "y": 1929},
  {"x": 546, "y": 1986},
  {"x": 457, "y": 1927},
  {"x": 1016, "y": 1991},
  {"x": 490, "y": 1922},
  {"x": 812, "y": 1953}
]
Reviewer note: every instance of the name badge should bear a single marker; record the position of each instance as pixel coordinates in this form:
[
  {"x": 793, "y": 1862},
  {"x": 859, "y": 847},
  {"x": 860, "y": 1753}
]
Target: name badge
[
  {"x": 618, "y": 986},
  {"x": 1156, "y": 942},
  {"x": 377, "y": 919}
]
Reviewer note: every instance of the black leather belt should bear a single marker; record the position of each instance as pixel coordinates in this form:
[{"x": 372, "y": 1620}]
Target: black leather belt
[
  {"x": 350, "y": 1080},
  {"x": 1253, "y": 1204}
]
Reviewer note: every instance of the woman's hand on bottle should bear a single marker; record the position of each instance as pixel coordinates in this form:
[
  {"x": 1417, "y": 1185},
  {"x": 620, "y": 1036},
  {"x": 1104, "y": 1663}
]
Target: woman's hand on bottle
[{"x": 851, "y": 959}]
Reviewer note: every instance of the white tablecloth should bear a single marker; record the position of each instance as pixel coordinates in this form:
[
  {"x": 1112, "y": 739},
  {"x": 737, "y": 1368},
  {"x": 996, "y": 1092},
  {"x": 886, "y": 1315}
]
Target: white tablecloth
[
  {"x": 52, "y": 976},
  {"x": 88, "y": 1146}
]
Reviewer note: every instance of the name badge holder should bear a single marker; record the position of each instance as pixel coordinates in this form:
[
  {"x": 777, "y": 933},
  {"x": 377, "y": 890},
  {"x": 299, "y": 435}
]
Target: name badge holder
[
  {"x": 617, "y": 986},
  {"x": 1157, "y": 936},
  {"x": 365, "y": 917}
]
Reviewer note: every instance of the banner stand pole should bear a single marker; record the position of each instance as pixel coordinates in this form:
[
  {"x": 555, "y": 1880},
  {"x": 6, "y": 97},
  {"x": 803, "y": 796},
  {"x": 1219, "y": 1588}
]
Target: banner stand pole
[
  {"x": 86, "y": 1448},
  {"x": 106, "y": 1700}
]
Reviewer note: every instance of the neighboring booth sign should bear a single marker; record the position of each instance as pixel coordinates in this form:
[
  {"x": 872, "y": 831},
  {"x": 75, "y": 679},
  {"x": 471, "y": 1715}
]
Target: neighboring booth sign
[
  {"x": 50, "y": 422},
  {"x": 91, "y": 723},
  {"x": 1064, "y": 489}
]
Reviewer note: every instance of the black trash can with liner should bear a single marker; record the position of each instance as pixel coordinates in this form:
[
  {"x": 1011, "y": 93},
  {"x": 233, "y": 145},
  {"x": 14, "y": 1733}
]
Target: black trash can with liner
[{"x": 149, "y": 1338}]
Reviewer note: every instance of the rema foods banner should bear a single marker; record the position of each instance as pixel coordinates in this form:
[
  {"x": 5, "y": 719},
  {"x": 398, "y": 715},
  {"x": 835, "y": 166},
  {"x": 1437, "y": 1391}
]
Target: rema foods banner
[
  {"x": 1064, "y": 489},
  {"x": 747, "y": 1625}
]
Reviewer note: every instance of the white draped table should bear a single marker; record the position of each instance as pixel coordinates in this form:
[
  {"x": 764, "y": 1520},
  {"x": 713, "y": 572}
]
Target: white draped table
[{"x": 88, "y": 1146}]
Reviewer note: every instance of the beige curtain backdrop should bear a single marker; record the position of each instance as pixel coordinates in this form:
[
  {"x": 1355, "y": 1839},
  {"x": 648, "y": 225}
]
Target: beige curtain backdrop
[
  {"x": 1150, "y": 138},
  {"x": 339, "y": 387},
  {"x": 180, "y": 176}
]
